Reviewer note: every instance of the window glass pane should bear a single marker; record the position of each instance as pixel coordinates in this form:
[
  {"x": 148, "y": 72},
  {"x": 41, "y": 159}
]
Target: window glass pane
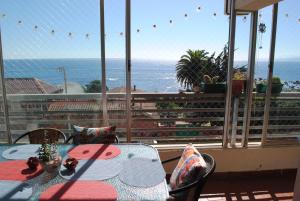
[
  {"x": 173, "y": 106},
  {"x": 52, "y": 64}
]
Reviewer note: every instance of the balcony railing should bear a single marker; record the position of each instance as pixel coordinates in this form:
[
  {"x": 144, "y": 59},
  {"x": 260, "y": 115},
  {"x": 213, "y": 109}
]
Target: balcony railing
[{"x": 156, "y": 117}]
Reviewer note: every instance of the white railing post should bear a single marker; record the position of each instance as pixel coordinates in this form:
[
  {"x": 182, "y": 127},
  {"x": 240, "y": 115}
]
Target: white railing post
[
  {"x": 5, "y": 104},
  {"x": 128, "y": 68},
  {"x": 270, "y": 75},
  {"x": 235, "y": 120}
]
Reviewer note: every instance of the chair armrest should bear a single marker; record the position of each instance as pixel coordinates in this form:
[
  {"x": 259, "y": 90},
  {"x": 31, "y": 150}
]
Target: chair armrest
[
  {"x": 64, "y": 137},
  {"x": 70, "y": 138},
  {"x": 171, "y": 159},
  {"x": 117, "y": 139},
  {"x": 20, "y": 138}
]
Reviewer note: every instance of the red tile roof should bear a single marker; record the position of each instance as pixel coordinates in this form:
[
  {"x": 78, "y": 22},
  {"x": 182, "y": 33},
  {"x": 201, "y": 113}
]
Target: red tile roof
[
  {"x": 84, "y": 106},
  {"x": 29, "y": 86}
]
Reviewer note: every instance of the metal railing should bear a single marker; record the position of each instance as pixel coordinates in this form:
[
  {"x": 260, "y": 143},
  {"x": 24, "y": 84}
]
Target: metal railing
[{"x": 156, "y": 117}]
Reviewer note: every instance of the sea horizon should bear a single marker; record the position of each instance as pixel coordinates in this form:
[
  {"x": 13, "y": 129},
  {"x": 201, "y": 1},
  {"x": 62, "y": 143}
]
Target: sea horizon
[{"x": 148, "y": 75}]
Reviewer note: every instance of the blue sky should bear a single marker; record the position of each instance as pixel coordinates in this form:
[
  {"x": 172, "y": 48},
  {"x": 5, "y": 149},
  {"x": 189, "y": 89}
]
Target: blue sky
[{"x": 200, "y": 30}]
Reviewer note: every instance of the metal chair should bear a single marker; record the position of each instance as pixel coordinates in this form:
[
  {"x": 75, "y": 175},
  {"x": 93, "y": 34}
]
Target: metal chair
[
  {"x": 87, "y": 139},
  {"x": 192, "y": 191},
  {"x": 38, "y": 136},
  {"x": 83, "y": 138}
]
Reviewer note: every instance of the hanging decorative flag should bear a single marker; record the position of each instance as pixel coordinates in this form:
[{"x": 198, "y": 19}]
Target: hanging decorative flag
[{"x": 154, "y": 25}]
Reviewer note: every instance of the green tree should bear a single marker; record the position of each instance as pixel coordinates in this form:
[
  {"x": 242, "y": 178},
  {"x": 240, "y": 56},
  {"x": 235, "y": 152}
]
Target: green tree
[
  {"x": 189, "y": 68},
  {"x": 192, "y": 67},
  {"x": 94, "y": 86}
]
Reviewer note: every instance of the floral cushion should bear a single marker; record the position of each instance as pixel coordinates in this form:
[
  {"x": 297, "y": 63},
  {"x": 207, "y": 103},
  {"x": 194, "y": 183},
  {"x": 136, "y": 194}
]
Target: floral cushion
[
  {"x": 94, "y": 131},
  {"x": 189, "y": 167}
]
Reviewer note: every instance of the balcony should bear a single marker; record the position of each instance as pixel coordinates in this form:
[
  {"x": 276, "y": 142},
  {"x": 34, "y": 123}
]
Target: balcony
[
  {"x": 253, "y": 136},
  {"x": 158, "y": 118}
]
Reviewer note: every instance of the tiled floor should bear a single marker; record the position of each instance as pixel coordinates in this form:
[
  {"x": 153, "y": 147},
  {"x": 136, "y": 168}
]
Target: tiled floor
[{"x": 255, "y": 187}]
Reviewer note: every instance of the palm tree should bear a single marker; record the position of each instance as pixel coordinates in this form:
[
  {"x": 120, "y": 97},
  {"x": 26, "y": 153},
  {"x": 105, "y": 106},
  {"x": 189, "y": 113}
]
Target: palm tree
[{"x": 191, "y": 68}]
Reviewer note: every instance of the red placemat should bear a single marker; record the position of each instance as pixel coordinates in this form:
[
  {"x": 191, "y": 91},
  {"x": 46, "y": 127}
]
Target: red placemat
[
  {"x": 17, "y": 171},
  {"x": 94, "y": 151},
  {"x": 80, "y": 191}
]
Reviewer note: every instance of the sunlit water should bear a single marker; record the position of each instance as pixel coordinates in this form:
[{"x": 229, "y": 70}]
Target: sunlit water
[{"x": 156, "y": 76}]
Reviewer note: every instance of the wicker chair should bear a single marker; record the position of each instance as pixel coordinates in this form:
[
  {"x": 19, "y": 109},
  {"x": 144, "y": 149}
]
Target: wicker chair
[
  {"x": 38, "y": 136},
  {"x": 192, "y": 191},
  {"x": 82, "y": 138}
]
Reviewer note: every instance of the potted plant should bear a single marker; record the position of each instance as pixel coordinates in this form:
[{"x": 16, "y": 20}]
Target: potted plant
[
  {"x": 211, "y": 85},
  {"x": 261, "y": 86},
  {"x": 276, "y": 85},
  {"x": 48, "y": 156},
  {"x": 238, "y": 83}
]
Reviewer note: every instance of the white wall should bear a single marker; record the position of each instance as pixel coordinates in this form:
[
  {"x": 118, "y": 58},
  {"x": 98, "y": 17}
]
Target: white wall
[{"x": 245, "y": 159}]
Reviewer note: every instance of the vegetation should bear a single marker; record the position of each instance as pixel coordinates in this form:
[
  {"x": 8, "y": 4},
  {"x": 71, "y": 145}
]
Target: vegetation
[
  {"x": 94, "y": 86},
  {"x": 238, "y": 75},
  {"x": 276, "y": 80},
  {"x": 47, "y": 152},
  {"x": 192, "y": 67},
  {"x": 210, "y": 80}
]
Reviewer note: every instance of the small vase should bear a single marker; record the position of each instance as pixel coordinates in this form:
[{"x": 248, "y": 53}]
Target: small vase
[{"x": 52, "y": 165}]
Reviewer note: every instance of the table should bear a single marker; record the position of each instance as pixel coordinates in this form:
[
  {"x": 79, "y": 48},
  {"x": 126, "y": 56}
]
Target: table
[{"x": 125, "y": 192}]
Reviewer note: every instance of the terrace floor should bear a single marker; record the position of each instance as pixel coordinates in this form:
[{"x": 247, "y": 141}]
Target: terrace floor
[{"x": 263, "y": 187}]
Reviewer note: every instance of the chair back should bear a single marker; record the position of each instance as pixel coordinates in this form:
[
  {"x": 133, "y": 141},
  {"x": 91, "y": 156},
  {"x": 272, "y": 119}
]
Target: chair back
[
  {"x": 82, "y": 138},
  {"x": 192, "y": 191},
  {"x": 38, "y": 136}
]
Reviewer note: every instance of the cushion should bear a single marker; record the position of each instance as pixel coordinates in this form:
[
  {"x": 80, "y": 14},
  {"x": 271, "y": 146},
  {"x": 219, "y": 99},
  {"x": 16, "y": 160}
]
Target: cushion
[
  {"x": 94, "y": 131},
  {"x": 101, "y": 135},
  {"x": 189, "y": 167}
]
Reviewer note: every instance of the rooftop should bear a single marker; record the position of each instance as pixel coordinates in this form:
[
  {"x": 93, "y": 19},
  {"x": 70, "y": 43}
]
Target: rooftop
[{"x": 30, "y": 86}]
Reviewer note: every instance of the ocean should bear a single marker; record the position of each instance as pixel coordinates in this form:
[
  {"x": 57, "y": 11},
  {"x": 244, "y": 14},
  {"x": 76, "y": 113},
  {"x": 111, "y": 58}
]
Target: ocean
[{"x": 151, "y": 76}]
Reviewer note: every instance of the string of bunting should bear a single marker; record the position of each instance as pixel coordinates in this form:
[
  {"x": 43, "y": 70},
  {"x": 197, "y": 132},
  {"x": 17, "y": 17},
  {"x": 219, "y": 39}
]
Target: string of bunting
[{"x": 262, "y": 26}]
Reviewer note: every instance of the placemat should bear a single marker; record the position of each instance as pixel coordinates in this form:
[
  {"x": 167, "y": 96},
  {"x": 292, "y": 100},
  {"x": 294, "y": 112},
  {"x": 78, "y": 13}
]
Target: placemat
[
  {"x": 17, "y": 170},
  {"x": 80, "y": 191},
  {"x": 142, "y": 172},
  {"x": 92, "y": 170},
  {"x": 14, "y": 190},
  {"x": 21, "y": 151},
  {"x": 94, "y": 151}
]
